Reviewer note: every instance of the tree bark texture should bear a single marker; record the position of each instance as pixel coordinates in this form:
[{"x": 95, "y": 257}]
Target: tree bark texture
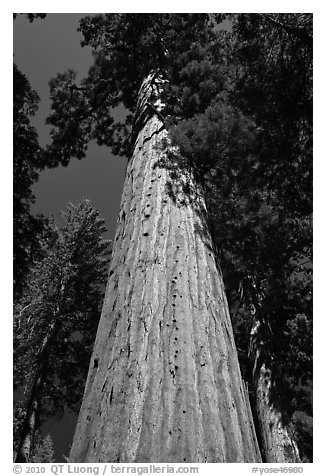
[
  {"x": 278, "y": 445},
  {"x": 33, "y": 406},
  {"x": 164, "y": 383}
]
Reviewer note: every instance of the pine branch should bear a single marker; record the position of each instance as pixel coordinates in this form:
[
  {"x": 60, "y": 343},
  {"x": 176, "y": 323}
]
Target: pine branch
[{"x": 299, "y": 32}]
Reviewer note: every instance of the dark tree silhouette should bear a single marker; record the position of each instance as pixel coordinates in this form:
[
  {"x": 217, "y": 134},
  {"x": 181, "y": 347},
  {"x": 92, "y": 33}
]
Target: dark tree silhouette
[{"x": 56, "y": 321}]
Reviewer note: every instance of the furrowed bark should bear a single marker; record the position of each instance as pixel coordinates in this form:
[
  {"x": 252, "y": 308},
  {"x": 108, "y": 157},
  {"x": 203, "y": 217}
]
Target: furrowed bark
[
  {"x": 278, "y": 445},
  {"x": 164, "y": 383}
]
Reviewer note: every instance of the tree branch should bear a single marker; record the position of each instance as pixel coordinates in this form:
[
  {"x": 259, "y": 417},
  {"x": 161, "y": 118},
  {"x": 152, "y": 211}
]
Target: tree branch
[{"x": 297, "y": 31}]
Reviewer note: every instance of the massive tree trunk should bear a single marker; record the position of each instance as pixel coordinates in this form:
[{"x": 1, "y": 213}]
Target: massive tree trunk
[{"x": 164, "y": 383}]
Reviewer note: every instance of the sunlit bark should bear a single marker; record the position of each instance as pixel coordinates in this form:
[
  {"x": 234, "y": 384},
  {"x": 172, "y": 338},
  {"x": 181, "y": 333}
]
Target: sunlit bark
[
  {"x": 277, "y": 442},
  {"x": 164, "y": 383}
]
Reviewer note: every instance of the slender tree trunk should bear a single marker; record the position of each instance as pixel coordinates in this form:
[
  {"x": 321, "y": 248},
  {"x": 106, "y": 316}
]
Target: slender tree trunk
[
  {"x": 164, "y": 383},
  {"x": 28, "y": 433},
  {"x": 278, "y": 445}
]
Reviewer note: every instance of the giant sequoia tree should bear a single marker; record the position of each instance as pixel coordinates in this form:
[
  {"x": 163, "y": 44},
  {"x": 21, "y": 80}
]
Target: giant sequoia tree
[
  {"x": 218, "y": 147},
  {"x": 164, "y": 382}
]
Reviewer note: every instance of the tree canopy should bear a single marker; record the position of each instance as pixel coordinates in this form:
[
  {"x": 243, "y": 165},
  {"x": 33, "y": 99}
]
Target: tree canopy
[
  {"x": 55, "y": 320},
  {"x": 28, "y": 161}
]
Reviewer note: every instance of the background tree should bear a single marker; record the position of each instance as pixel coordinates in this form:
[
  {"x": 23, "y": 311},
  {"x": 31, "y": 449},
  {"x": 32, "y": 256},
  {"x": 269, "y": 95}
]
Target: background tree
[
  {"x": 31, "y": 16},
  {"x": 276, "y": 89},
  {"x": 56, "y": 321},
  {"x": 43, "y": 451},
  {"x": 28, "y": 161}
]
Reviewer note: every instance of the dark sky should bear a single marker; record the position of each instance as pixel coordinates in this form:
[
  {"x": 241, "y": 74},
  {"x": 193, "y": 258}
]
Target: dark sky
[{"x": 42, "y": 49}]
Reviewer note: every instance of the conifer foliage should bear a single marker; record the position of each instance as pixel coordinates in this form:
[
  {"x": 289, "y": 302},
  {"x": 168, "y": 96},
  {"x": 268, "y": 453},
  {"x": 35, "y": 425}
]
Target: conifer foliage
[
  {"x": 56, "y": 320},
  {"x": 28, "y": 161}
]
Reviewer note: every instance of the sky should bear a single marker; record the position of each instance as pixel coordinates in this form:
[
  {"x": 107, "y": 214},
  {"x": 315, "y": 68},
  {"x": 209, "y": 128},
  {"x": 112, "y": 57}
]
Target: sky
[{"x": 41, "y": 50}]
